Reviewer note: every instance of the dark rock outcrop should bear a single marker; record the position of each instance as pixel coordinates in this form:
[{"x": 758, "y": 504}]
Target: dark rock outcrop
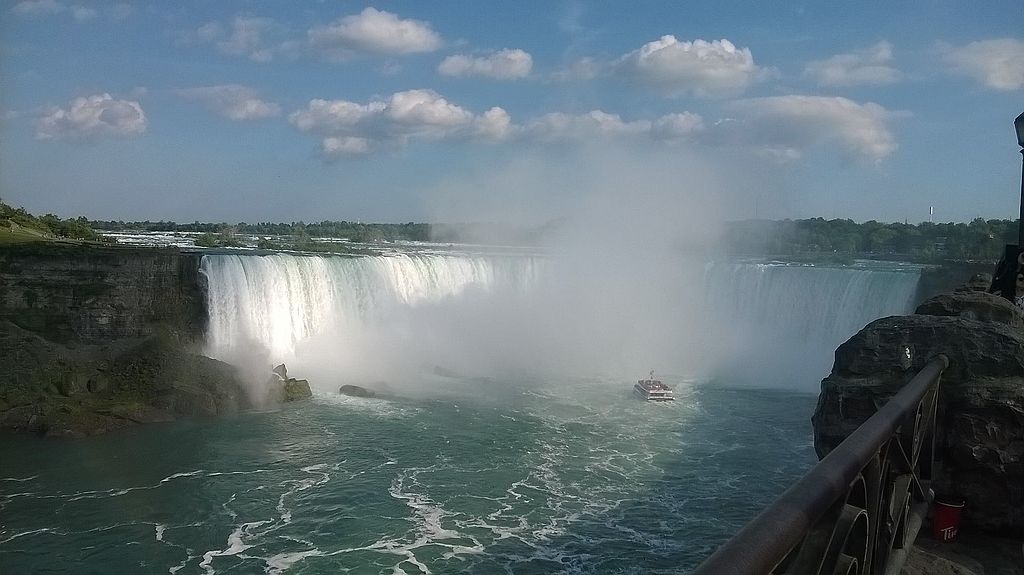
[
  {"x": 53, "y": 389},
  {"x": 980, "y": 434},
  {"x": 88, "y": 294},
  {"x": 95, "y": 338},
  {"x": 356, "y": 391}
]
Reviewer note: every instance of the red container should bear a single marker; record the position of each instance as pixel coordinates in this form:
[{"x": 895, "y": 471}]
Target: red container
[{"x": 946, "y": 519}]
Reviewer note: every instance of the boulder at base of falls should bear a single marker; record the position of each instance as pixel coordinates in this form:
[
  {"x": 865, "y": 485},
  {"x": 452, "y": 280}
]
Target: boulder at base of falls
[
  {"x": 356, "y": 391},
  {"x": 284, "y": 388},
  {"x": 980, "y": 427}
]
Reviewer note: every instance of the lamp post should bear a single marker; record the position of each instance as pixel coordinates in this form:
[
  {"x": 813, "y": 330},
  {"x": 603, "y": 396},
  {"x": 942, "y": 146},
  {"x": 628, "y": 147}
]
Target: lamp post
[
  {"x": 1011, "y": 267},
  {"x": 1018, "y": 125}
]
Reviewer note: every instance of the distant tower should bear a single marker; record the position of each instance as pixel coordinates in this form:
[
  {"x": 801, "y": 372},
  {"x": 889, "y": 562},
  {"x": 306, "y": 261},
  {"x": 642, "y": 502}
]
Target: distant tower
[{"x": 931, "y": 212}]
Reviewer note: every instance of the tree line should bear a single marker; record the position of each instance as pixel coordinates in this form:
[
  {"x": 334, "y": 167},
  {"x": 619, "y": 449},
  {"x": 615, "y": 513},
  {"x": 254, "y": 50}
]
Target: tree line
[
  {"x": 980, "y": 239},
  {"x": 47, "y": 225},
  {"x": 354, "y": 231}
]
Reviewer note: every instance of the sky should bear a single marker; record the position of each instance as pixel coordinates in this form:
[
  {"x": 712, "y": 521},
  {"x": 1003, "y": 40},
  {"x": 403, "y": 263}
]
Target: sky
[{"x": 510, "y": 111}]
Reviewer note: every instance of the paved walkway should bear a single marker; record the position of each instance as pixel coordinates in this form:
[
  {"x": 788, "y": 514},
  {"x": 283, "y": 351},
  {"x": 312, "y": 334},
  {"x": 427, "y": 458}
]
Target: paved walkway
[{"x": 971, "y": 554}]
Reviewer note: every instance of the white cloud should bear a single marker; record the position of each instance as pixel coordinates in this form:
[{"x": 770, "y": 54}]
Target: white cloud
[
  {"x": 677, "y": 126},
  {"x": 38, "y": 7},
  {"x": 862, "y": 67},
  {"x": 596, "y": 123},
  {"x": 701, "y": 68},
  {"x": 32, "y": 8},
  {"x": 373, "y": 31},
  {"x": 232, "y": 101},
  {"x": 99, "y": 115},
  {"x": 354, "y": 128},
  {"x": 999, "y": 63},
  {"x": 505, "y": 64},
  {"x": 246, "y": 36},
  {"x": 581, "y": 70},
  {"x": 786, "y": 126}
]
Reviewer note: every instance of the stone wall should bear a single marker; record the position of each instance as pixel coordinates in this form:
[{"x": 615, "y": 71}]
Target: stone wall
[{"x": 72, "y": 293}]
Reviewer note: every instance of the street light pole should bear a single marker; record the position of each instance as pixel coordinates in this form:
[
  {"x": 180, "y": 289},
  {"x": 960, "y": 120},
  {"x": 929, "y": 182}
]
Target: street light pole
[{"x": 1018, "y": 125}]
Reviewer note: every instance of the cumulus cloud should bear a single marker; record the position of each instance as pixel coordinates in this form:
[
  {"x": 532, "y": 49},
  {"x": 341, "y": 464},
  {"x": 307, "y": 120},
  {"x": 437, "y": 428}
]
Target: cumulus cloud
[
  {"x": 701, "y": 68},
  {"x": 232, "y": 101},
  {"x": 99, "y": 115},
  {"x": 372, "y": 31},
  {"x": 998, "y": 64},
  {"x": 785, "y": 126},
  {"x": 862, "y": 67},
  {"x": 350, "y": 128},
  {"x": 247, "y": 36},
  {"x": 505, "y": 64}
]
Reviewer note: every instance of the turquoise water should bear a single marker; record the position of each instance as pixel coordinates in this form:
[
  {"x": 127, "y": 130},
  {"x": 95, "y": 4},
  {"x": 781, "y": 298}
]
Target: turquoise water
[{"x": 476, "y": 477}]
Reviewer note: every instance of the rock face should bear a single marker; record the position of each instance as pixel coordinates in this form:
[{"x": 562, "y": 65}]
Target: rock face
[
  {"x": 980, "y": 435},
  {"x": 88, "y": 294},
  {"x": 98, "y": 338},
  {"x": 52, "y": 389}
]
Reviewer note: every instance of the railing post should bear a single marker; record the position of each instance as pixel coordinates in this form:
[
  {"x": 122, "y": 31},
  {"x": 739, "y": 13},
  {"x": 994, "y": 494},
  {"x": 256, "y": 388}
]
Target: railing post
[{"x": 857, "y": 505}]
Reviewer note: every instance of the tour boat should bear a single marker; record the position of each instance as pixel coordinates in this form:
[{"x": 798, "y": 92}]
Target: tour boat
[{"x": 653, "y": 390}]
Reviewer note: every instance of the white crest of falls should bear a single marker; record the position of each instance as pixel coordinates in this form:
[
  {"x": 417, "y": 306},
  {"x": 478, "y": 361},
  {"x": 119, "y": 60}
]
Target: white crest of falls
[
  {"x": 759, "y": 323},
  {"x": 280, "y": 300}
]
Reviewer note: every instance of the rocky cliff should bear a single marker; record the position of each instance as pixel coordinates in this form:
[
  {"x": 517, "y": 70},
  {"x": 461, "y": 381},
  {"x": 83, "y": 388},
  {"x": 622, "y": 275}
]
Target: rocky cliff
[
  {"x": 980, "y": 435},
  {"x": 98, "y": 338},
  {"x": 85, "y": 294}
]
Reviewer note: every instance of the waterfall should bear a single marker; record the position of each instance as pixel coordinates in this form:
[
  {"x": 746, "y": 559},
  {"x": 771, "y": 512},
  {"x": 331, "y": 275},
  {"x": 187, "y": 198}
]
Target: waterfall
[
  {"x": 785, "y": 321},
  {"x": 756, "y": 323},
  {"x": 280, "y": 300}
]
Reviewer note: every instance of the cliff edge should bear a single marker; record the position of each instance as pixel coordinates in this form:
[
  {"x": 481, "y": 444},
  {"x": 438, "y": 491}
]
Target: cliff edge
[
  {"x": 99, "y": 338},
  {"x": 980, "y": 427}
]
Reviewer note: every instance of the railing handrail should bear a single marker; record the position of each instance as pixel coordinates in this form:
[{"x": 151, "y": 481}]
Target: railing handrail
[{"x": 767, "y": 539}]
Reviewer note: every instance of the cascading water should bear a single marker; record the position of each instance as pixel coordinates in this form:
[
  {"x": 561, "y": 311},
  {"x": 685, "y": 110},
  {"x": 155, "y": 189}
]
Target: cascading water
[
  {"x": 273, "y": 304},
  {"x": 785, "y": 321},
  {"x": 364, "y": 317}
]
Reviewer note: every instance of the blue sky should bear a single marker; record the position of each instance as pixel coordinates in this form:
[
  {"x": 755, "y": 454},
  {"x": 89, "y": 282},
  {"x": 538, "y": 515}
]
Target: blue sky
[{"x": 398, "y": 111}]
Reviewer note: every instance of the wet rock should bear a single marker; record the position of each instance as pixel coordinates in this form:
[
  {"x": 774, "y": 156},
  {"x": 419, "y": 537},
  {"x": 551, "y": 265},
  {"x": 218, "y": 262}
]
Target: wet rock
[
  {"x": 282, "y": 372},
  {"x": 295, "y": 389},
  {"x": 356, "y": 391},
  {"x": 973, "y": 304},
  {"x": 52, "y": 389},
  {"x": 980, "y": 427}
]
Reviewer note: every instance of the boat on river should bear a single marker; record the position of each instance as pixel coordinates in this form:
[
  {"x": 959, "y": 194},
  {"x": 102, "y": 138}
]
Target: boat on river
[{"x": 652, "y": 389}]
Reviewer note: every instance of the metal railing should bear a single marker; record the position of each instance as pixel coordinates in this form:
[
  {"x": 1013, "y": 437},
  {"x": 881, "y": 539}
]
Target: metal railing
[{"x": 859, "y": 508}]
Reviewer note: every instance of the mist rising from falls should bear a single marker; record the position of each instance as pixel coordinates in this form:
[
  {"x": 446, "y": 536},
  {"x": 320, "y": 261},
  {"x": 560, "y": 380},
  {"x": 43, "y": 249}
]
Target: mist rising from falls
[{"x": 386, "y": 318}]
